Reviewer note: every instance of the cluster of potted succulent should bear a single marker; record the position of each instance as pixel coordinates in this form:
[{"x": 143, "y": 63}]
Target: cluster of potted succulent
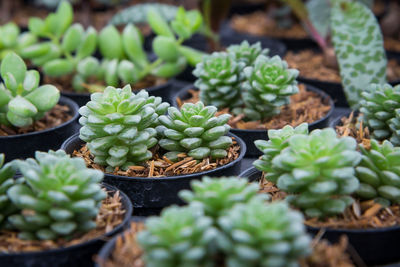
[{"x": 137, "y": 141}]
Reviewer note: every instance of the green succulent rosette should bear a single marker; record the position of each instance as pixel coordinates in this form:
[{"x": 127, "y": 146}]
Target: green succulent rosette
[
  {"x": 119, "y": 126},
  {"x": 244, "y": 52}
]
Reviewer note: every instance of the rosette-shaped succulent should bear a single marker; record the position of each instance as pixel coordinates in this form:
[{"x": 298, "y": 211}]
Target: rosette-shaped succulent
[
  {"x": 379, "y": 172},
  {"x": 394, "y": 125},
  {"x": 319, "y": 170},
  {"x": 219, "y": 79},
  {"x": 21, "y": 100},
  {"x": 6, "y": 181},
  {"x": 247, "y": 53},
  {"x": 60, "y": 196},
  {"x": 118, "y": 126},
  {"x": 273, "y": 147},
  {"x": 217, "y": 196},
  {"x": 268, "y": 85},
  {"x": 196, "y": 130},
  {"x": 260, "y": 234},
  {"x": 378, "y": 106},
  {"x": 180, "y": 237}
]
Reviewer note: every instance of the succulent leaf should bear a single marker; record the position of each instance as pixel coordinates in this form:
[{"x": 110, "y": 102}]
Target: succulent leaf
[
  {"x": 358, "y": 43},
  {"x": 247, "y": 53}
]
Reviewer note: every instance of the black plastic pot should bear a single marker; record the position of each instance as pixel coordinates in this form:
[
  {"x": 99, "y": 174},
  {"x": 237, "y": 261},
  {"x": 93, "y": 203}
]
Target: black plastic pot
[
  {"x": 24, "y": 145},
  {"x": 150, "y": 195},
  {"x": 290, "y": 43},
  {"x": 249, "y": 136},
  {"x": 79, "y": 255},
  {"x": 164, "y": 91},
  {"x": 374, "y": 246},
  {"x": 338, "y": 120}
]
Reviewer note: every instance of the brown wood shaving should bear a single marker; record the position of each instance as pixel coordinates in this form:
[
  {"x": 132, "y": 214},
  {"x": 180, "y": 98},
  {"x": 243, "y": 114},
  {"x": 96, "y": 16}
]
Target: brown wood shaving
[
  {"x": 127, "y": 252},
  {"x": 56, "y": 116},
  {"x": 354, "y": 127},
  {"x": 64, "y": 83},
  {"x": 306, "y": 106},
  {"x": 111, "y": 215},
  {"x": 360, "y": 215},
  {"x": 159, "y": 166},
  {"x": 311, "y": 65},
  {"x": 258, "y": 23}
]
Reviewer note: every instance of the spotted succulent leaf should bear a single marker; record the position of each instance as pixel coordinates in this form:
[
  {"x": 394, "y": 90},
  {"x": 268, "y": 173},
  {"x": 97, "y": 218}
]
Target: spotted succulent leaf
[{"x": 358, "y": 43}]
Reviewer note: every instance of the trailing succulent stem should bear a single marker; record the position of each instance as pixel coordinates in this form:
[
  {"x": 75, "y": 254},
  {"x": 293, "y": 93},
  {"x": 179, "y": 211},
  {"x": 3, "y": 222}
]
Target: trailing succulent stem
[
  {"x": 60, "y": 196},
  {"x": 118, "y": 126},
  {"x": 22, "y": 100},
  {"x": 196, "y": 130},
  {"x": 380, "y": 106},
  {"x": 379, "y": 172}
]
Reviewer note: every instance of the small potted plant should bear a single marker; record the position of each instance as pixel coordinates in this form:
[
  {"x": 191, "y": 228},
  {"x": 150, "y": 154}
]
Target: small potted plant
[
  {"x": 260, "y": 92},
  {"x": 30, "y": 118},
  {"x": 345, "y": 62},
  {"x": 337, "y": 187},
  {"x": 13, "y": 40},
  {"x": 57, "y": 213},
  {"x": 149, "y": 155},
  {"x": 66, "y": 57},
  {"x": 226, "y": 223}
]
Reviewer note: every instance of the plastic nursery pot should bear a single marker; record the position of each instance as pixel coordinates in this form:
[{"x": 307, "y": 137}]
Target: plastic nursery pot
[
  {"x": 163, "y": 90},
  {"x": 24, "y": 145},
  {"x": 150, "y": 195},
  {"x": 79, "y": 255},
  {"x": 108, "y": 248},
  {"x": 338, "y": 120},
  {"x": 249, "y": 136},
  {"x": 290, "y": 43},
  {"x": 374, "y": 246}
]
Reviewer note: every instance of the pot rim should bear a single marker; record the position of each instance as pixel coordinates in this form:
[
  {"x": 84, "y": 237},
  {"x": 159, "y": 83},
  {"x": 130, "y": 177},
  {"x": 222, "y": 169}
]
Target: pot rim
[
  {"x": 149, "y": 89},
  {"x": 117, "y": 229},
  {"x": 241, "y": 143},
  {"x": 64, "y": 101},
  {"x": 252, "y": 171},
  {"x": 309, "y": 87}
]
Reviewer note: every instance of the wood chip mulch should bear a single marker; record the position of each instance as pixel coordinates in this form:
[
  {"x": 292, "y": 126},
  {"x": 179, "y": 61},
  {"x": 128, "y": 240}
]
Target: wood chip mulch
[
  {"x": 160, "y": 166},
  {"x": 258, "y": 23},
  {"x": 353, "y": 126},
  {"x": 392, "y": 44},
  {"x": 311, "y": 65},
  {"x": 64, "y": 83},
  {"x": 306, "y": 106},
  {"x": 57, "y": 116},
  {"x": 360, "y": 215},
  {"x": 111, "y": 215},
  {"x": 127, "y": 252}
]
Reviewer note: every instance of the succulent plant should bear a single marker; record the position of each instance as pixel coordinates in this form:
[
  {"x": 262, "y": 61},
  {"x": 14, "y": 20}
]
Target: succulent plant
[
  {"x": 12, "y": 40},
  {"x": 394, "y": 125},
  {"x": 60, "y": 196},
  {"x": 7, "y": 180},
  {"x": 378, "y": 106},
  {"x": 119, "y": 126},
  {"x": 180, "y": 237},
  {"x": 278, "y": 141},
  {"x": 267, "y": 87},
  {"x": 219, "y": 78},
  {"x": 247, "y": 53},
  {"x": 319, "y": 171},
  {"x": 378, "y": 171},
  {"x": 260, "y": 234},
  {"x": 21, "y": 100},
  {"x": 216, "y": 196},
  {"x": 196, "y": 130}
]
